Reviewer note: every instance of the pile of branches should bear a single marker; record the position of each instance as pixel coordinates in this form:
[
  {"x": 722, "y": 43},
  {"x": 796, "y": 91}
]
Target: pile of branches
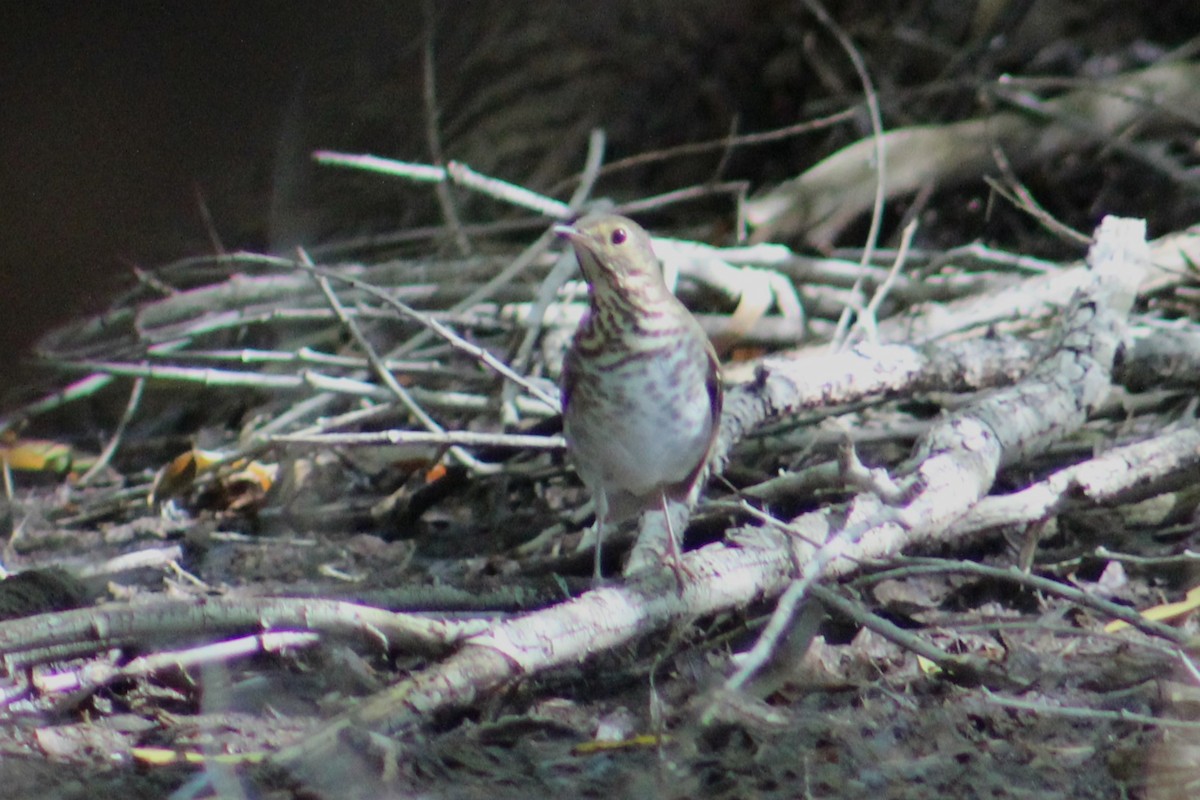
[{"x": 901, "y": 401}]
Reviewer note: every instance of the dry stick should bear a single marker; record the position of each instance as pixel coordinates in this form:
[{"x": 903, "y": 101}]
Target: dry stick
[
  {"x": 443, "y": 438},
  {"x": 901, "y": 258},
  {"x": 432, "y": 135},
  {"x": 114, "y": 441},
  {"x": 1131, "y": 717},
  {"x": 156, "y": 558},
  {"x": 413, "y": 171},
  {"x": 355, "y": 417},
  {"x": 145, "y": 277},
  {"x": 962, "y": 667},
  {"x": 307, "y": 355},
  {"x": 385, "y": 375},
  {"x": 1037, "y": 298},
  {"x": 500, "y": 190},
  {"x": 84, "y": 387},
  {"x": 1188, "y": 557},
  {"x": 174, "y": 319},
  {"x": 1131, "y": 470},
  {"x": 110, "y": 502},
  {"x": 195, "y": 299},
  {"x": 328, "y": 384},
  {"x": 977, "y": 251},
  {"x": 867, "y": 316},
  {"x": 1022, "y": 198},
  {"x": 459, "y": 173},
  {"x": 27, "y": 640},
  {"x": 206, "y": 219},
  {"x": 726, "y": 143},
  {"x": 565, "y": 634},
  {"x": 591, "y": 169},
  {"x": 736, "y": 188},
  {"x": 206, "y": 376},
  {"x": 303, "y": 410},
  {"x": 760, "y": 273},
  {"x": 939, "y": 566},
  {"x": 872, "y": 99},
  {"x": 313, "y": 405},
  {"x": 466, "y": 401},
  {"x": 723, "y": 162},
  {"x": 1188, "y": 664},
  {"x": 95, "y": 675},
  {"x": 423, "y": 233},
  {"x": 506, "y": 192}
]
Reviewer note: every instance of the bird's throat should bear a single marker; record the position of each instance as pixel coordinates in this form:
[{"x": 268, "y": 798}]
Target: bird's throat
[{"x": 637, "y": 319}]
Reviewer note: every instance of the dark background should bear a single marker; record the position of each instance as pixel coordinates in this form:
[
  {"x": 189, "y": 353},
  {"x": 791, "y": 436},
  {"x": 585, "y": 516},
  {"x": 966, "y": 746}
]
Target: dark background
[
  {"x": 117, "y": 118},
  {"x": 124, "y": 123}
]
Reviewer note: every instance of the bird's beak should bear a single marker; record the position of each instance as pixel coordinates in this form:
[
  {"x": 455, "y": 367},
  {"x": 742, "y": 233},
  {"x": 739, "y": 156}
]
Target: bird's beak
[{"x": 567, "y": 232}]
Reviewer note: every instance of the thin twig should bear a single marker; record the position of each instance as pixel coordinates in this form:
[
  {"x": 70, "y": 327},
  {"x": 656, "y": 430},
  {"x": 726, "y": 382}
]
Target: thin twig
[
  {"x": 206, "y": 376},
  {"x": 518, "y": 265},
  {"x": 919, "y": 566},
  {"x": 506, "y": 192},
  {"x": 724, "y": 143},
  {"x": 385, "y": 375},
  {"x": 456, "y": 341},
  {"x": 432, "y": 135},
  {"x": 591, "y": 170},
  {"x": 1122, "y": 715},
  {"x": 442, "y": 438},
  {"x": 735, "y": 188},
  {"x": 789, "y": 602},
  {"x": 894, "y": 633},
  {"x": 872, "y": 99},
  {"x": 548, "y": 289},
  {"x": 305, "y": 355},
  {"x": 206, "y": 218},
  {"x": 868, "y": 318},
  {"x": 1023, "y": 200},
  {"x": 114, "y": 441},
  {"x": 413, "y": 171}
]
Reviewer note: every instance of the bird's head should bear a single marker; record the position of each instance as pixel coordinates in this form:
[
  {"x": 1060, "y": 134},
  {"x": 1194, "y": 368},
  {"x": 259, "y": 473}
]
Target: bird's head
[{"x": 614, "y": 253}]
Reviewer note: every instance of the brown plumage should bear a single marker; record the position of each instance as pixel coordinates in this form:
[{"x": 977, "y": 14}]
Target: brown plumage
[{"x": 641, "y": 387}]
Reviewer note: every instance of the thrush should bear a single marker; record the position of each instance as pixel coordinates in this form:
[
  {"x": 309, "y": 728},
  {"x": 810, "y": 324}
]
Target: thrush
[{"x": 641, "y": 387}]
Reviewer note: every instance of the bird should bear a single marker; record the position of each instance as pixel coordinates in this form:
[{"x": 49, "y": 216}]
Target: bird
[{"x": 641, "y": 382}]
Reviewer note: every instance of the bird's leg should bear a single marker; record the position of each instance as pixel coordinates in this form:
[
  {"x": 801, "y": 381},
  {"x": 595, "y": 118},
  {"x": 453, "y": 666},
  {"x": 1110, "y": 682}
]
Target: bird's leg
[
  {"x": 676, "y": 560},
  {"x": 601, "y": 518}
]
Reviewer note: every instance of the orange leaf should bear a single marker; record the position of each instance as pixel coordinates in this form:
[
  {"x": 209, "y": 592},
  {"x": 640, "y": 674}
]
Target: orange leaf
[{"x": 36, "y": 455}]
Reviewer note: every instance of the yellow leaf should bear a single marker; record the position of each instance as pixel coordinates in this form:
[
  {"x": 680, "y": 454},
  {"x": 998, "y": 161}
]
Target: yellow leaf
[
  {"x": 1167, "y": 611},
  {"x": 36, "y": 455}
]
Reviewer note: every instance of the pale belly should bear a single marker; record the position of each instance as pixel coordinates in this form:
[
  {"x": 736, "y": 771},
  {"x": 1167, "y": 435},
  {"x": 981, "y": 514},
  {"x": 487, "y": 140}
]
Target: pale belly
[{"x": 643, "y": 428}]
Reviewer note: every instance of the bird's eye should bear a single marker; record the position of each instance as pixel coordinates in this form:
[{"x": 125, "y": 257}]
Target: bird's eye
[{"x": 619, "y": 235}]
